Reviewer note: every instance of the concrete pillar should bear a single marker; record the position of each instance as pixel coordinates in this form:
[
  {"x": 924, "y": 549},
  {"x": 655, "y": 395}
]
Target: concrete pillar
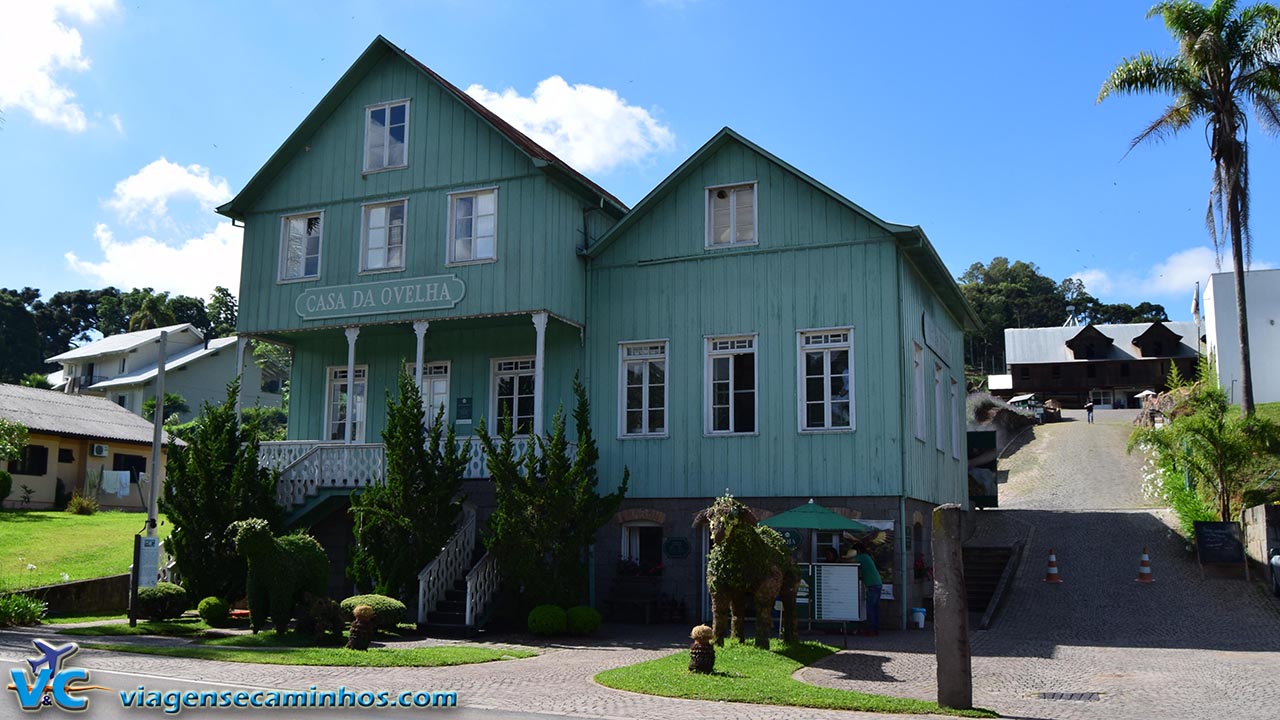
[
  {"x": 539, "y": 369},
  {"x": 241, "y": 342},
  {"x": 419, "y": 329},
  {"x": 951, "y": 610},
  {"x": 352, "y": 333}
]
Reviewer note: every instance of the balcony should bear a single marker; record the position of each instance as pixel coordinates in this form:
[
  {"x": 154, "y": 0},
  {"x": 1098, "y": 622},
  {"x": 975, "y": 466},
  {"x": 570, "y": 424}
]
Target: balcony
[{"x": 309, "y": 466}]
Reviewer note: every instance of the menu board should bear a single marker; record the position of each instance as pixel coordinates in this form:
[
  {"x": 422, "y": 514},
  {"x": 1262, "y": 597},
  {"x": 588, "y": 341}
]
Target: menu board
[{"x": 836, "y": 594}]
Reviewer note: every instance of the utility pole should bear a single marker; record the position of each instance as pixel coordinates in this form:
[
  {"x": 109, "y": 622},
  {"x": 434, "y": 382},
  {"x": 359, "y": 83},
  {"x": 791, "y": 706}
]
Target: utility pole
[{"x": 146, "y": 550}]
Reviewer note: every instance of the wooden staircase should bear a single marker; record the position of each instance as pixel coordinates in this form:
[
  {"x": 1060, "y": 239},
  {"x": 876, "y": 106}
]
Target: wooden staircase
[{"x": 449, "y": 618}]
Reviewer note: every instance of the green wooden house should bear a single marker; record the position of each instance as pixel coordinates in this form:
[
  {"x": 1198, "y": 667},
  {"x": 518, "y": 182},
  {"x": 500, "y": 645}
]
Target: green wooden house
[{"x": 743, "y": 327}]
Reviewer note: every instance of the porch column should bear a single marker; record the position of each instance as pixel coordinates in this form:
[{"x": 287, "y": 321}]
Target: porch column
[
  {"x": 539, "y": 371},
  {"x": 352, "y": 333},
  {"x": 419, "y": 329},
  {"x": 241, "y": 342}
]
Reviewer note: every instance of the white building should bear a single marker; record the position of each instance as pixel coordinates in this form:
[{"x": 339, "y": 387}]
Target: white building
[
  {"x": 1262, "y": 293},
  {"x": 123, "y": 369}
]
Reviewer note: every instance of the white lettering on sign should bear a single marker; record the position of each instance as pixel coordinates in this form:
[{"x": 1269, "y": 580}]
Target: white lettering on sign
[{"x": 429, "y": 293}]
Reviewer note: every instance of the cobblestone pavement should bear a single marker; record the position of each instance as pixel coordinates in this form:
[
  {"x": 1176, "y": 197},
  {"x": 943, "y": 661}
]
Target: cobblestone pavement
[{"x": 1183, "y": 647}]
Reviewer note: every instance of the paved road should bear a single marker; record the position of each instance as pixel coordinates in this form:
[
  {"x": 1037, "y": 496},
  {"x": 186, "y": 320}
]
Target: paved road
[{"x": 1183, "y": 647}]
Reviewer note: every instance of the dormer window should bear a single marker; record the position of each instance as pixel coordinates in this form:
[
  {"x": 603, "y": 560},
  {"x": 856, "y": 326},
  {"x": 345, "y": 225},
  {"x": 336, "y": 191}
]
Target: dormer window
[
  {"x": 731, "y": 215},
  {"x": 386, "y": 136}
]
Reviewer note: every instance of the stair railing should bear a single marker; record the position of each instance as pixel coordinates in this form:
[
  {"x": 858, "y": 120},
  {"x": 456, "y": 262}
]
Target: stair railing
[
  {"x": 439, "y": 575},
  {"x": 482, "y": 585}
]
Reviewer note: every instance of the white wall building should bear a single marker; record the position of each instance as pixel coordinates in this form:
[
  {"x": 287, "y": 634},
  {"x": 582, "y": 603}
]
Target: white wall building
[{"x": 1262, "y": 293}]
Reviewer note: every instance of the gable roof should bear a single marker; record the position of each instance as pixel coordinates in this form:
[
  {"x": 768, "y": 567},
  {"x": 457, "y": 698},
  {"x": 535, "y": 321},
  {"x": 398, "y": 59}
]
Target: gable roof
[
  {"x": 1023, "y": 346},
  {"x": 379, "y": 48},
  {"x": 1157, "y": 330},
  {"x": 122, "y": 343},
  {"x": 911, "y": 238},
  {"x": 185, "y": 357},
  {"x": 56, "y": 413},
  {"x": 1088, "y": 332}
]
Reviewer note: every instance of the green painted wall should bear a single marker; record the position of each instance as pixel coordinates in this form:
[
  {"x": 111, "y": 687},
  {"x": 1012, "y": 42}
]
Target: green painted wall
[
  {"x": 818, "y": 264},
  {"x": 539, "y": 226}
]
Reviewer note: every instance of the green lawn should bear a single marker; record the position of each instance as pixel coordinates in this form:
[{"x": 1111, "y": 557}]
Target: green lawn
[
  {"x": 82, "y": 546},
  {"x": 181, "y": 627},
  {"x": 1270, "y": 411},
  {"x": 378, "y": 657},
  {"x": 746, "y": 674}
]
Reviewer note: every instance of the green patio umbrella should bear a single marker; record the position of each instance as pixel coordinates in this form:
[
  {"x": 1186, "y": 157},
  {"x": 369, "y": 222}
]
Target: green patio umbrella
[{"x": 812, "y": 516}]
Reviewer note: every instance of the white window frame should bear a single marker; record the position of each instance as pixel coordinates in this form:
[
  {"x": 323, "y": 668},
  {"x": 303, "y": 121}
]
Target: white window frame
[
  {"x": 450, "y": 260},
  {"x": 957, "y": 412},
  {"x": 629, "y": 548},
  {"x": 710, "y": 354},
  {"x": 801, "y": 376},
  {"x": 433, "y": 370},
  {"x": 281, "y": 277},
  {"x": 623, "y": 359},
  {"x": 494, "y": 364},
  {"x": 363, "y": 408},
  {"x": 733, "y": 228},
  {"x": 368, "y": 111},
  {"x": 939, "y": 408},
  {"x": 364, "y": 237},
  {"x": 918, "y": 375}
]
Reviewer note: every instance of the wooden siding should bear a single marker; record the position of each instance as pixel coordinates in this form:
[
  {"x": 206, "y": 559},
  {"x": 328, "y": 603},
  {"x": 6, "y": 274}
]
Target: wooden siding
[
  {"x": 931, "y": 474},
  {"x": 467, "y": 345},
  {"x": 539, "y": 223}
]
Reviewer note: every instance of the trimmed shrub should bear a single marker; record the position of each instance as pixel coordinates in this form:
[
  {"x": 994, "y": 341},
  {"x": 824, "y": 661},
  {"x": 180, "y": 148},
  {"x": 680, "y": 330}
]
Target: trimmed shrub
[
  {"x": 282, "y": 571},
  {"x": 321, "y": 618},
  {"x": 387, "y": 612},
  {"x": 82, "y": 504},
  {"x": 214, "y": 611},
  {"x": 162, "y": 602},
  {"x": 60, "y": 497},
  {"x": 6, "y": 483},
  {"x": 21, "y": 610},
  {"x": 548, "y": 620},
  {"x": 582, "y": 620}
]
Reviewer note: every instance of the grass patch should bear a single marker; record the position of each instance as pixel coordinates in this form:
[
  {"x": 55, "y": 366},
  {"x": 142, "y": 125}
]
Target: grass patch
[
  {"x": 72, "y": 618},
  {"x": 1270, "y": 411},
  {"x": 750, "y": 675},
  {"x": 330, "y": 657},
  {"x": 181, "y": 627},
  {"x": 82, "y": 546}
]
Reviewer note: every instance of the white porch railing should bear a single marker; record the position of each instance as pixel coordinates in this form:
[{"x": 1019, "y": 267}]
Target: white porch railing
[
  {"x": 482, "y": 585},
  {"x": 439, "y": 575},
  {"x": 308, "y": 466}
]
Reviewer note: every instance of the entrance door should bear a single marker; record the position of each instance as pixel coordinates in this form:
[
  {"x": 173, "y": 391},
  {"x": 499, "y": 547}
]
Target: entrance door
[
  {"x": 1102, "y": 399},
  {"x": 344, "y": 402}
]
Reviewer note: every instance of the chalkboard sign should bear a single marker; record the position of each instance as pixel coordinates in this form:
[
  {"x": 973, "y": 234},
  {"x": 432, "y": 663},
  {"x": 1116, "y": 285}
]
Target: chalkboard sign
[{"x": 1219, "y": 543}]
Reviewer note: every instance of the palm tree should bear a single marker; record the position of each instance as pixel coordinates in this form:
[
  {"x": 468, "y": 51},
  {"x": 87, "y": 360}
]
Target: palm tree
[
  {"x": 154, "y": 313},
  {"x": 1227, "y": 61}
]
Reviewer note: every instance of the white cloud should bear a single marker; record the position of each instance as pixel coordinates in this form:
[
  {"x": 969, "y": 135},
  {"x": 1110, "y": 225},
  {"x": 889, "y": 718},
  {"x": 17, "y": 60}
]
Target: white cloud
[
  {"x": 36, "y": 44},
  {"x": 589, "y": 127},
  {"x": 147, "y": 192},
  {"x": 1097, "y": 282},
  {"x": 1166, "y": 281},
  {"x": 191, "y": 267},
  {"x": 117, "y": 123}
]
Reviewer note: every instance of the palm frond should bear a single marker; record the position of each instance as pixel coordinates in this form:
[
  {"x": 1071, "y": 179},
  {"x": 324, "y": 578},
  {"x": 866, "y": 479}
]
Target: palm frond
[
  {"x": 1149, "y": 73},
  {"x": 1174, "y": 118}
]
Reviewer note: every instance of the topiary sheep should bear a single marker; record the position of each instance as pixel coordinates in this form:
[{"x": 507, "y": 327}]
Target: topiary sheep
[
  {"x": 281, "y": 570},
  {"x": 362, "y": 627}
]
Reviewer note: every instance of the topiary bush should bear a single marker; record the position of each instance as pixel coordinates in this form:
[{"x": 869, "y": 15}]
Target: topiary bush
[
  {"x": 387, "y": 612},
  {"x": 321, "y": 618},
  {"x": 214, "y": 611},
  {"x": 582, "y": 620},
  {"x": 6, "y": 484},
  {"x": 548, "y": 620},
  {"x": 21, "y": 610},
  {"x": 162, "y": 602},
  {"x": 282, "y": 570},
  {"x": 82, "y": 504}
]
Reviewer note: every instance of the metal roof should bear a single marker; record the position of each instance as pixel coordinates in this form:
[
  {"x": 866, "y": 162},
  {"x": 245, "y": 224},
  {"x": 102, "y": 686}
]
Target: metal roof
[
  {"x": 56, "y": 413},
  {"x": 175, "y": 361},
  {"x": 122, "y": 343},
  {"x": 1024, "y": 346}
]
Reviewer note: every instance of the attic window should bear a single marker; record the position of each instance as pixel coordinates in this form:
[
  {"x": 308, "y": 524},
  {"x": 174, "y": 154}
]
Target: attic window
[
  {"x": 386, "y": 136},
  {"x": 731, "y": 215}
]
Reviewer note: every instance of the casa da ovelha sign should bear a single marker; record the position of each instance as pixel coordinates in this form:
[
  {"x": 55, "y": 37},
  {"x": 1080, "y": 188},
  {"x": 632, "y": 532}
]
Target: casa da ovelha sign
[{"x": 435, "y": 292}]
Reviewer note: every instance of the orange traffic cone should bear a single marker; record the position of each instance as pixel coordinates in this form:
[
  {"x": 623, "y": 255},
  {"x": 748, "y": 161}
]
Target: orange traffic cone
[
  {"x": 1144, "y": 569},
  {"x": 1051, "y": 575}
]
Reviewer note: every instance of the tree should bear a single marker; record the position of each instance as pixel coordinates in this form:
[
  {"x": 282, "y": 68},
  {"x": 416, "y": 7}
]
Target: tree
[
  {"x": 68, "y": 318},
  {"x": 19, "y": 340},
  {"x": 115, "y": 310},
  {"x": 1228, "y": 60},
  {"x": 223, "y": 312},
  {"x": 174, "y": 404},
  {"x": 548, "y": 508},
  {"x": 153, "y": 313},
  {"x": 13, "y": 438},
  {"x": 212, "y": 482},
  {"x": 1215, "y": 447},
  {"x": 187, "y": 309},
  {"x": 39, "y": 381},
  {"x": 401, "y": 526}
]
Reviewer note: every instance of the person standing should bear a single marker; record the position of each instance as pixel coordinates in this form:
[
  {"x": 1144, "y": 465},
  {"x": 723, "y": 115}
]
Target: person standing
[
  {"x": 1088, "y": 409},
  {"x": 871, "y": 580}
]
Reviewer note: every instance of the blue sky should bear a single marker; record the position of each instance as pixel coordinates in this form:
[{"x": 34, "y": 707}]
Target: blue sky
[{"x": 125, "y": 123}]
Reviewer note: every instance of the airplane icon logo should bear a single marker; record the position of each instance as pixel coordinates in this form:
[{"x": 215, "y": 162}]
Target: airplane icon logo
[
  {"x": 53, "y": 656},
  {"x": 49, "y": 683}
]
